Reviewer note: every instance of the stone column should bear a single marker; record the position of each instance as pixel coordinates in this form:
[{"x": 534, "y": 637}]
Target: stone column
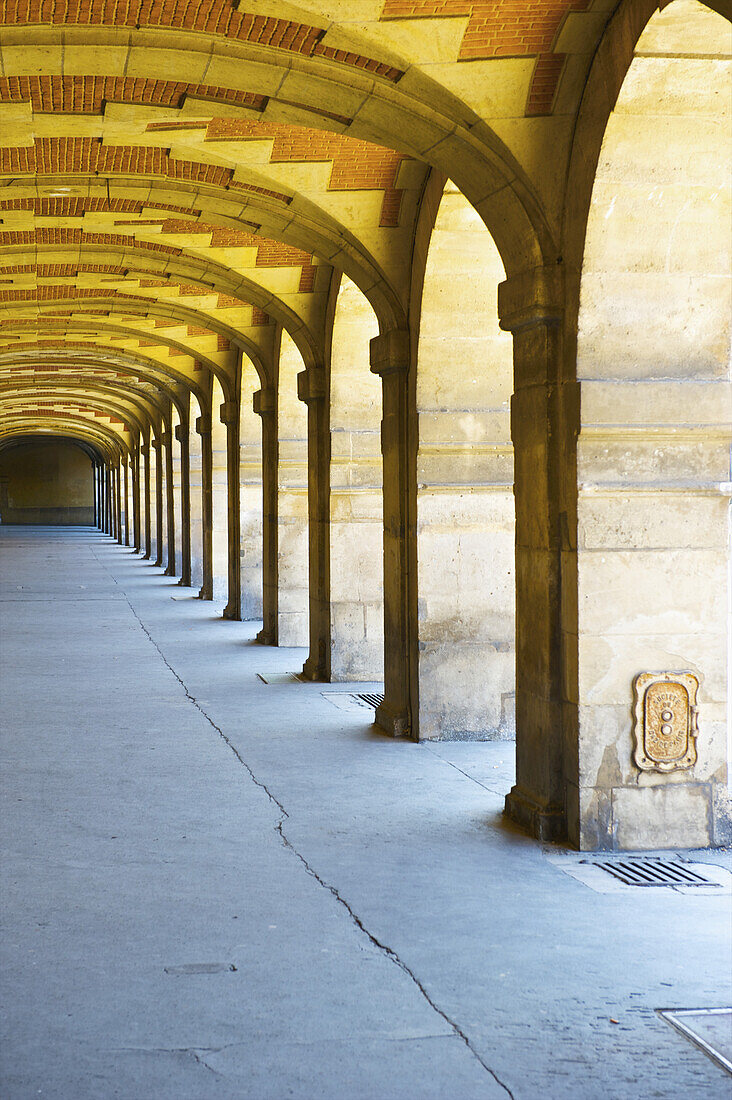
[
  {"x": 203, "y": 428},
  {"x": 265, "y": 405},
  {"x": 530, "y": 307},
  {"x": 390, "y": 359},
  {"x": 182, "y": 431},
  {"x": 112, "y": 503},
  {"x": 167, "y": 442},
  {"x": 229, "y": 413},
  {"x": 312, "y": 390},
  {"x": 108, "y": 499}
]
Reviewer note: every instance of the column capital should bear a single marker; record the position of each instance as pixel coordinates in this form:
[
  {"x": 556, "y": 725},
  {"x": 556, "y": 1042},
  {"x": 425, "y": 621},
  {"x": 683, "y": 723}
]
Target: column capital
[
  {"x": 180, "y": 432},
  {"x": 534, "y": 297},
  {"x": 203, "y": 425},
  {"x": 145, "y": 450},
  {"x": 229, "y": 412},
  {"x": 264, "y": 401},
  {"x": 389, "y": 352},
  {"x": 165, "y": 438},
  {"x": 311, "y": 385}
]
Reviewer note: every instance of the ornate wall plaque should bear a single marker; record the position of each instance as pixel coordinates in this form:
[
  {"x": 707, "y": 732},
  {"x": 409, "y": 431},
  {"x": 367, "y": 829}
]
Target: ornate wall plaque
[{"x": 665, "y": 720}]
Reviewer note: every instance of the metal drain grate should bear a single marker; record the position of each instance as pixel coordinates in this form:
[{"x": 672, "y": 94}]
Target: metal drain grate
[
  {"x": 650, "y": 871},
  {"x": 370, "y": 698}
]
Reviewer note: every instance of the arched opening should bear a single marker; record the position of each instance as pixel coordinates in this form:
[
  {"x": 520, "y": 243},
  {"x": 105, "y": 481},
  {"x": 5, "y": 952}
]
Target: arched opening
[
  {"x": 250, "y": 494},
  {"x": 177, "y": 488},
  {"x": 195, "y": 461},
  {"x": 161, "y": 496},
  {"x": 356, "y": 504},
  {"x": 292, "y": 502},
  {"x": 220, "y": 556},
  {"x": 154, "y": 465},
  {"x": 46, "y": 480},
  {"x": 653, "y": 452},
  {"x": 465, "y": 512}
]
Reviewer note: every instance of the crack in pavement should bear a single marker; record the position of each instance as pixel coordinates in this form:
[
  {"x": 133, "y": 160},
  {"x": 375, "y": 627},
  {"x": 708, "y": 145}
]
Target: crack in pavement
[
  {"x": 491, "y": 790},
  {"x": 192, "y": 1051},
  {"x": 389, "y": 952}
]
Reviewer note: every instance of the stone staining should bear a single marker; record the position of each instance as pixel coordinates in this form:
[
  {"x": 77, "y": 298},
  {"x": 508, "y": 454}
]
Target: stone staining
[{"x": 665, "y": 720}]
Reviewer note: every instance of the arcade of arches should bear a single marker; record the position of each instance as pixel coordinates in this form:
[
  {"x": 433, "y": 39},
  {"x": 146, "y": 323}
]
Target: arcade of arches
[{"x": 402, "y": 327}]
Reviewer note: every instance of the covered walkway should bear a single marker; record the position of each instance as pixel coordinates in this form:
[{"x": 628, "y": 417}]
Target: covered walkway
[{"x": 216, "y": 888}]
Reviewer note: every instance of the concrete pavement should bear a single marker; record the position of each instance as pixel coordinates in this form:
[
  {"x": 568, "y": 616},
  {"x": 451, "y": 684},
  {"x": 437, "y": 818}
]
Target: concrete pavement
[{"x": 214, "y": 887}]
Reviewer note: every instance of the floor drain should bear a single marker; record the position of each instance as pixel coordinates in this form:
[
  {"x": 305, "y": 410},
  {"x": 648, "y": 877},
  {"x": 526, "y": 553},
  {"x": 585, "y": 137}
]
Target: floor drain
[
  {"x": 279, "y": 677},
  {"x": 355, "y": 702},
  {"x": 651, "y": 871},
  {"x": 370, "y": 698}
]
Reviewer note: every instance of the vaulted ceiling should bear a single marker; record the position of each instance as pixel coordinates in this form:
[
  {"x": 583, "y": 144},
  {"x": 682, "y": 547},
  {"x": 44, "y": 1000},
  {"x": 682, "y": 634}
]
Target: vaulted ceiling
[{"x": 179, "y": 177}]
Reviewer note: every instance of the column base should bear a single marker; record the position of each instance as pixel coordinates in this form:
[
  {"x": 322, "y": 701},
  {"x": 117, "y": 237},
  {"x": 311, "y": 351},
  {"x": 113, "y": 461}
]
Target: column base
[
  {"x": 314, "y": 670},
  {"x": 394, "y": 722},
  {"x": 232, "y": 613},
  {"x": 206, "y": 592},
  {"x": 169, "y": 572},
  {"x": 266, "y": 637},
  {"x": 541, "y": 822}
]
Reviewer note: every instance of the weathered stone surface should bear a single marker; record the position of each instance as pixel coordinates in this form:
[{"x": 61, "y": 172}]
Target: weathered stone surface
[{"x": 669, "y": 816}]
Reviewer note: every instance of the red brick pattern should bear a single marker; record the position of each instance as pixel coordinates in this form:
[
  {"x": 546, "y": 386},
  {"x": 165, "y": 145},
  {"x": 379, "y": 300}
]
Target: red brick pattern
[
  {"x": 76, "y": 237},
  {"x": 278, "y": 195},
  {"x": 77, "y": 207},
  {"x": 496, "y": 28},
  {"x": 217, "y": 17},
  {"x": 504, "y": 28},
  {"x": 65, "y": 156},
  {"x": 544, "y": 82},
  {"x": 55, "y": 410},
  {"x": 88, "y": 94},
  {"x": 357, "y": 165}
]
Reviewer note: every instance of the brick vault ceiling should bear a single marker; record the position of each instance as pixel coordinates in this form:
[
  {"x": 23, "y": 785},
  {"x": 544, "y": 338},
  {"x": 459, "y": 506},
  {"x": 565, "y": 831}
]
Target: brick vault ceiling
[{"x": 177, "y": 177}]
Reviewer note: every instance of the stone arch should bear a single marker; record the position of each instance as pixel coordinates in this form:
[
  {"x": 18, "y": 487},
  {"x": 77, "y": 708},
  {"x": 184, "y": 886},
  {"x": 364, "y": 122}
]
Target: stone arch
[
  {"x": 652, "y": 303},
  {"x": 46, "y": 479},
  {"x": 220, "y": 490},
  {"x": 464, "y": 507},
  {"x": 293, "y": 593},
  {"x": 355, "y": 490}
]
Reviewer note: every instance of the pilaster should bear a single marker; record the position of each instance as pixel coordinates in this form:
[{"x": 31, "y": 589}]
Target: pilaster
[
  {"x": 229, "y": 415},
  {"x": 203, "y": 429},
  {"x": 531, "y": 308},
  {"x": 312, "y": 389},
  {"x": 390, "y": 360}
]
